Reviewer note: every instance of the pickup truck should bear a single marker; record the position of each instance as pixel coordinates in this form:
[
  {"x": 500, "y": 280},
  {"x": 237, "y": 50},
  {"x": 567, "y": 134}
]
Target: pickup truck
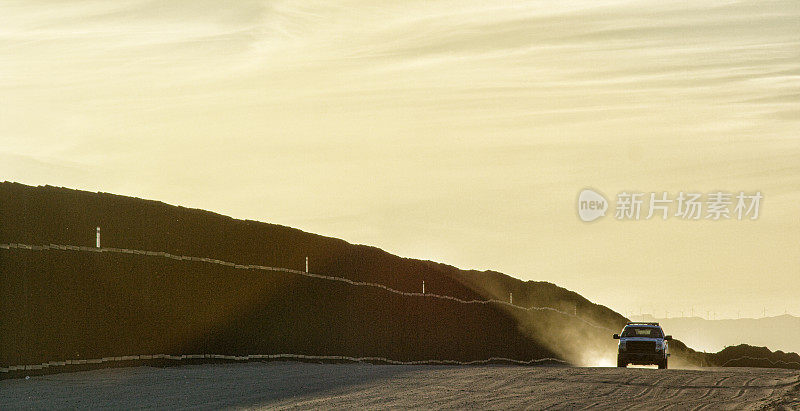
[{"x": 643, "y": 343}]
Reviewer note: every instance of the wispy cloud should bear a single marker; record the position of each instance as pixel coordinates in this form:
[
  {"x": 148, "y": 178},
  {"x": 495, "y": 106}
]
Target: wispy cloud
[{"x": 468, "y": 116}]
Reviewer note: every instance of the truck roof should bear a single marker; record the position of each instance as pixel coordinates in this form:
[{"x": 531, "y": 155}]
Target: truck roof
[{"x": 643, "y": 323}]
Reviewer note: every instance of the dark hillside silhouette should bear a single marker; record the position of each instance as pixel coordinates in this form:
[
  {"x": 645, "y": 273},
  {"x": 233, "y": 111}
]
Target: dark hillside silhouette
[{"x": 58, "y": 305}]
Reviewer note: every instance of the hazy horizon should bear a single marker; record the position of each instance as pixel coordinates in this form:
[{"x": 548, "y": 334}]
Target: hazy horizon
[
  {"x": 459, "y": 132},
  {"x": 781, "y": 332}
]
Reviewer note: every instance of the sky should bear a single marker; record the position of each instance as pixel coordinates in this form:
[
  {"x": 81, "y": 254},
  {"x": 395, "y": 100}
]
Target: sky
[{"x": 457, "y": 131}]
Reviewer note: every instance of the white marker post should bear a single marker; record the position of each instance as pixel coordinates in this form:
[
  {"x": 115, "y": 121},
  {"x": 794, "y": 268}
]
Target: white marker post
[
  {"x": 511, "y": 298},
  {"x": 98, "y": 237},
  {"x": 306, "y": 264},
  {"x": 423, "y": 286}
]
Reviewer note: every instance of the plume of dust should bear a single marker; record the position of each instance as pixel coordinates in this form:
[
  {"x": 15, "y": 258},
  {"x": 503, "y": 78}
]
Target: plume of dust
[
  {"x": 565, "y": 336},
  {"x": 568, "y": 337}
]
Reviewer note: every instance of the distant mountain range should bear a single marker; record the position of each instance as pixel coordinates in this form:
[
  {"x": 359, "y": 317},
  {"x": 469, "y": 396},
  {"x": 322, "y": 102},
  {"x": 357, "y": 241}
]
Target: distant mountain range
[
  {"x": 177, "y": 281},
  {"x": 779, "y": 333}
]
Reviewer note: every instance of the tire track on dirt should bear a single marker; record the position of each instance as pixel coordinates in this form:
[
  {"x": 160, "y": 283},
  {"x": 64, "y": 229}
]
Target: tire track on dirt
[
  {"x": 712, "y": 389},
  {"x": 612, "y": 392},
  {"x": 682, "y": 391},
  {"x": 743, "y": 389},
  {"x": 650, "y": 387}
]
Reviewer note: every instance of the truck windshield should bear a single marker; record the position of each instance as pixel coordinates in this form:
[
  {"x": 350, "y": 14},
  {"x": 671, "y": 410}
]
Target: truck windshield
[{"x": 648, "y": 332}]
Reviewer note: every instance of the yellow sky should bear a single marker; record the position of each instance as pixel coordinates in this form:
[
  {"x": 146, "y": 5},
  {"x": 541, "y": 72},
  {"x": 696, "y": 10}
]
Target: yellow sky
[{"x": 459, "y": 131}]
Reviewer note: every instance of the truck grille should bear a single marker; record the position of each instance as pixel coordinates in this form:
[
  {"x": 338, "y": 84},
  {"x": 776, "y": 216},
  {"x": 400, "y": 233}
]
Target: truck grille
[{"x": 640, "y": 346}]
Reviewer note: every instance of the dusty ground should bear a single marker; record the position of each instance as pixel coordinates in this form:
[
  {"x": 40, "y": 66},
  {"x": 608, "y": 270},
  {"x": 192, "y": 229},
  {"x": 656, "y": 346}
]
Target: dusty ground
[{"x": 292, "y": 384}]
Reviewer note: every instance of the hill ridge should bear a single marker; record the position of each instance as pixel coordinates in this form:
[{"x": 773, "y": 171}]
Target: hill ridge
[{"x": 106, "y": 305}]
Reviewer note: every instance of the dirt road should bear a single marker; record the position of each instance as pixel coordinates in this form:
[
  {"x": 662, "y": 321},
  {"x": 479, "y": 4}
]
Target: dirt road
[{"x": 292, "y": 384}]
